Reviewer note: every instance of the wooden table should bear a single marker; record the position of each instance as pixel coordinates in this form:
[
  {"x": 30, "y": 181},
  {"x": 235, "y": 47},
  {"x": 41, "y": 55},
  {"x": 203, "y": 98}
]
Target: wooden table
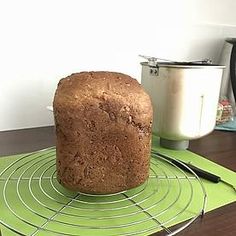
[{"x": 219, "y": 147}]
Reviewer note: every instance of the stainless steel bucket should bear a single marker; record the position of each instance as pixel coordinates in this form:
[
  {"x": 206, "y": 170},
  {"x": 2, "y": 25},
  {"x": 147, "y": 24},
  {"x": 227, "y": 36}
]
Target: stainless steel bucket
[{"x": 184, "y": 98}]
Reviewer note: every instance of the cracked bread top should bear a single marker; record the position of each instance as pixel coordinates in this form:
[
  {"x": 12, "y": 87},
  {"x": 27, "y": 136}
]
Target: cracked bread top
[{"x": 126, "y": 98}]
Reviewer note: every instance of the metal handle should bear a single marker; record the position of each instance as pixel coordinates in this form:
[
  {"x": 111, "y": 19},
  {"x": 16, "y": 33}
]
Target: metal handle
[{"x": 152, "y": 61}]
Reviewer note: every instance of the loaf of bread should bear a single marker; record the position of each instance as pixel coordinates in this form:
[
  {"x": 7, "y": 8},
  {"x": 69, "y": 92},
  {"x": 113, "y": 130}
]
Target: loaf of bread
[{"x": 103, "y": 132}]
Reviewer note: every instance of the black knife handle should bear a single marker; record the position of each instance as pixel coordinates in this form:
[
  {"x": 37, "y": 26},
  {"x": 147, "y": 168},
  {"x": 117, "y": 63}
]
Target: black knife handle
[
  {"x": 182, "y": 165},
  {"x": 204, "y": 174}
]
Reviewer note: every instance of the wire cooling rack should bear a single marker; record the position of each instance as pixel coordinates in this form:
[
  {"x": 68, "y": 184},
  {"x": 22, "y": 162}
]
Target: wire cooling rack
[{"x": 32, "y": 202}]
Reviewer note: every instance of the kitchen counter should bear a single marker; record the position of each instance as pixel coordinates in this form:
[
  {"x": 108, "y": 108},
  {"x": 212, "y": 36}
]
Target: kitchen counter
[{"x": 219, "y": 147}]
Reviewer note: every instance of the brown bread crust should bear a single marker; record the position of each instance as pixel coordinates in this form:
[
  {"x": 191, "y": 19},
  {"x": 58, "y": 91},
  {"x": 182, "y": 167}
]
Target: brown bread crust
[{"x": 103, "y": 128}]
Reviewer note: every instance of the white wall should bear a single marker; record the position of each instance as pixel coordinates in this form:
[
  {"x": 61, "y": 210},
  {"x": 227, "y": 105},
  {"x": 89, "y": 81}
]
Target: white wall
[{"x": 43, "y": 41}]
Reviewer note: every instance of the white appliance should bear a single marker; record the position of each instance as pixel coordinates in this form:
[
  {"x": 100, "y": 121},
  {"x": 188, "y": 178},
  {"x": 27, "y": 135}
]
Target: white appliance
[{"x": 184, "y": 98}]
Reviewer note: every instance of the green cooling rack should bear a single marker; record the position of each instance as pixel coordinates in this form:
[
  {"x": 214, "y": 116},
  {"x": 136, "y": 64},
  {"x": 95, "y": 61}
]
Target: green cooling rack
[{"x": 32, "y": 202}]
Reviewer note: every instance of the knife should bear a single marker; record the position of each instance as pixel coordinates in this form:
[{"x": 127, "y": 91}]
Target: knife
[{"x": 200, "y": 172}]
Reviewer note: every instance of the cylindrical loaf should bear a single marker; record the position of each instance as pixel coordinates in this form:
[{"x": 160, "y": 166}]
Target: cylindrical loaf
[{"x": 103, "y": 130}]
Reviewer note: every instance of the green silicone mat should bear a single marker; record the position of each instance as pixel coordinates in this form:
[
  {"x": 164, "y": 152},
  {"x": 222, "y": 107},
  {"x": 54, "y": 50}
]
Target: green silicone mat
[{"x": 32, "y": 202}]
